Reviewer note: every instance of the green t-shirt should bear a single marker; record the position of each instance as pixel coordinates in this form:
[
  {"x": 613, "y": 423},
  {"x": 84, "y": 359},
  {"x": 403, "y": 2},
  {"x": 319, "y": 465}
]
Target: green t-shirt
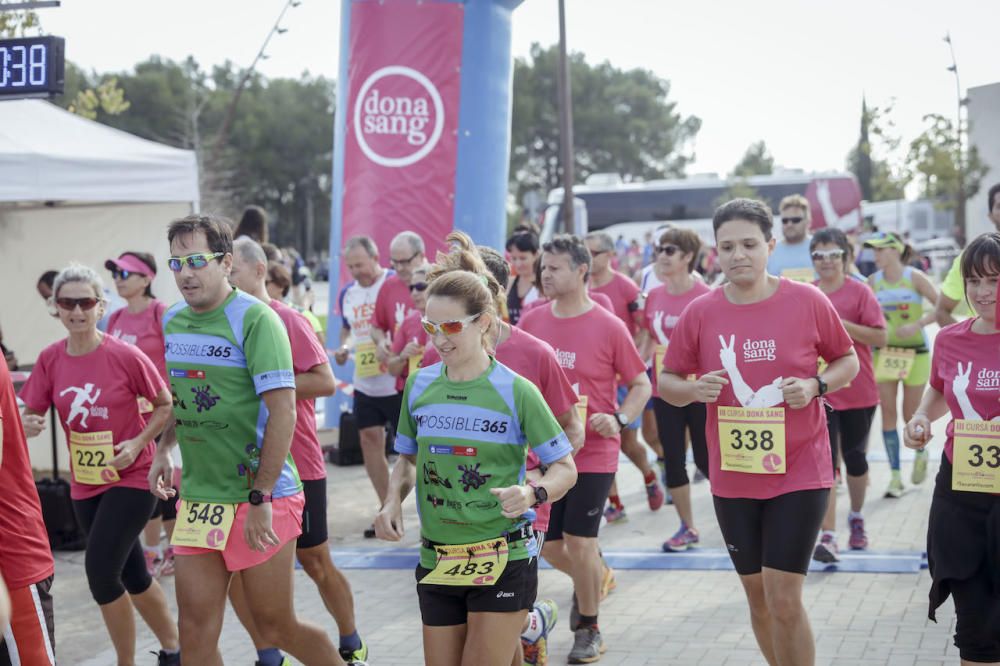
[
  {"x": 901, "y": 304},
  {"x": 954, "y": 286},
  {"x": 219, "y": 363},
  {"x": 469, "y": 437}
]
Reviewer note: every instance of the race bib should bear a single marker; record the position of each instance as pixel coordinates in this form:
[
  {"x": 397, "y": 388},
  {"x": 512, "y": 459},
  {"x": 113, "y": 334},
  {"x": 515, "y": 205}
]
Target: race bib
[
  {"x": 90, "y": 453},
  {"x": 415, "y": 362},
  {"x": 203, "y": 525},
  {"x": 581, "y": 409},
  {"x": 365, "y": 362},
  {"x": 752, "y": 441},
  {"x": 894, "y": 364},
  {"x": 659, "y": 354},
  {"x": 472, "y": 564},
  {"x": 799, "y": 274},
  {"x": 145, "y": 406},
  {"x": 976, "y": 456}
]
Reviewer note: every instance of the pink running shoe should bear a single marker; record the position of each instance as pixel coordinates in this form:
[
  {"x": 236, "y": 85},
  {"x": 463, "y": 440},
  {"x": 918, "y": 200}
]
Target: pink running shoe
[{"x": 859, "y": 539}]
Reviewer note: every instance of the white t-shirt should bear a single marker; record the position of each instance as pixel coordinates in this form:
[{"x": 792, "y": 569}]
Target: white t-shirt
[{"x": 357, "y": 305}]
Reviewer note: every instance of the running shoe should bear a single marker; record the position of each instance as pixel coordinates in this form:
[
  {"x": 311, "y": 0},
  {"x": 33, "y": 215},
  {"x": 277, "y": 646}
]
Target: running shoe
[
  {"x": 534, "y": 641},
  {"x": 608, "y": 581},
  {"x": 919, "y": 468},
  {"x": 152, "y": 561},
  {"x": 588, "y": 646},
  {"x": 826, "y": 549},
  {"x": 859, "y": 539},
  {"x": 654, "y": 495},
  {"x": 164, "y": 659},
  {"x": 684, "y": 538},
  {"x": 354, "y": 656},
  {"x": 370, "y": 532},
  {"x": 895, "y": 489},
  {"x": 167, "y": 565},
  {"x": 613, "y": 515}
]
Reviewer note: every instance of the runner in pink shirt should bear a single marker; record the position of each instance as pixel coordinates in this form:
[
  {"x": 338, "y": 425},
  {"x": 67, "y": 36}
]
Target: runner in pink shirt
[
  {"x": 754, "y": 344},
  {"x": 852, "y": 408},
  {"x": 94, "y": 381},
  {"x": 572, "y": 324},
  {"x": 963, "y": 532},
  {"x": 313, "y": 379},
  {"x": 411, "y": 339},
  {"x": 393, "y": 302},
  {"x": 676, "y": 253}
]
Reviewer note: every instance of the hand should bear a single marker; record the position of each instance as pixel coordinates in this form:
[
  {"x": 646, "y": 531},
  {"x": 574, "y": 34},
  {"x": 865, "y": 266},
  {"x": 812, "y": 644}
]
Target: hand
[
  {"x": 257, "y": 530},
  {"x": 917, "y": 432},
  {"x": 33, "y": 424},
  {"x": 708, "y": 387},
  {"x": 161, "y": 476},
  {"x": 907, "y": 330},
  {"x": 383, "y": 350},
  {"x": 605, "y": 425},
  {"x": 126, "y": 452},
  {"x": 389, "y": 522},
  {"x": 340, "y": 356},
  {"x": 514, "y": 500},
  {"x": 400, "y": 314},
  {"x": 411, "y": 349},
  {"x": 798, "y": 392},
  {"x": 727, "y": 352}
]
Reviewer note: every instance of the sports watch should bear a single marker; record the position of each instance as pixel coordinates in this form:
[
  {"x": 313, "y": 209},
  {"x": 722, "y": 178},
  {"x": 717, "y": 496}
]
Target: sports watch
[
  {"x": 257, "y": 498},
  {"x": 821, "y": 383},
  {"x": 541, "y": 495},
  {"x": 622, "y": 420}
]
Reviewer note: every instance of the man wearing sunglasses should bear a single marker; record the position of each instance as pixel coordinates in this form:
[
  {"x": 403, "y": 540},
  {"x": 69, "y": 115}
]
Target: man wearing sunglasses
[
  {"x": 231, "y": 374},
  {"x": 790, "y": 257},
  {"x": 393, "y": 304}
]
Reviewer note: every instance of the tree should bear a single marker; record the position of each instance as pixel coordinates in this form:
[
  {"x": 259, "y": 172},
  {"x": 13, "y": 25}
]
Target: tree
[
  {"x": 623, "y": 122},
  {"x": 863, "y": 155},
  {"x": 875, "y": 159},
  {"x": 756, "y": 161},
  {"x": 938, "y": 167}
]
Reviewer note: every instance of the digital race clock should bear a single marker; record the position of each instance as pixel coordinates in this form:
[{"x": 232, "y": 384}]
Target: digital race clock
[{"x": 31, "y": 67}]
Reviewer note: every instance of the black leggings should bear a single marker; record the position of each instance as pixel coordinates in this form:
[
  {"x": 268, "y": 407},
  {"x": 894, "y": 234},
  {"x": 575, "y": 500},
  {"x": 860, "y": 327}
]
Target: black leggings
[
  {"x": 671, "y": 423},
  {"x": 114, "y": 561},
  {"x": 848, "y": 429}
]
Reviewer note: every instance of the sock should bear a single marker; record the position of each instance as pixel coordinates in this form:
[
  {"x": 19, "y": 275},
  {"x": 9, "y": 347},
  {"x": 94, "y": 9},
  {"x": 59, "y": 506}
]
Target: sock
[
  {"x": 891, "y": 439},
  {"x": 854, "y": 514},
  {"x": 588, "y": 621},
  {"x": 649, "y": 478},
  {"x": 536, "y": 627},
  {"x": 352, "y": 642},
  {"x": 616, "y": 502},
  {"x": 158, "y": 549},
  {"x": 270, "y": 657},
  {"x": 170, "y": 652}
]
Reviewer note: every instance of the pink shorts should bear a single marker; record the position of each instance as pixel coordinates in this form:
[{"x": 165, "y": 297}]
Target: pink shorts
[{"x": 286, "y": 521}]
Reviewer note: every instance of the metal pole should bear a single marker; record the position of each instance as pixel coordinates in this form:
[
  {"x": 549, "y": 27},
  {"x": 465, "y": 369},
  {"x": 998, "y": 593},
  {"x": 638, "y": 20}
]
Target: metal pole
[
  {"x": 960, "y": 157},
  {"x": 565, "y": 124}
]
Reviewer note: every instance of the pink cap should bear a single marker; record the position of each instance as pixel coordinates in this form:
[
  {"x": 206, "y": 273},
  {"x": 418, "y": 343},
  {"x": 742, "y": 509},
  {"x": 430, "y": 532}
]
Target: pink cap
[{"x": 130, "y": 263}]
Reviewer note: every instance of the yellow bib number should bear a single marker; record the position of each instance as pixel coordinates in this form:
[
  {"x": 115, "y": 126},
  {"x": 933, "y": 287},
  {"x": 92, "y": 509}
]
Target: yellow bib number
[
  {"x": 90, "y": 453},
  {"x": 799, "y": 274},
  {"x": 752, "y": 441},
  {"x": 203, "y": 525},
  {"x": 475, "y": 564},
  {"x": 976, "y": 456},
  {"x": 894, "y": 364},
  {"x": 365, "y": 361},
  {"x": 661, "y": 352},
  {"x": 145, "y": 406},
  {"x": 581, "y": 410},
  {"x": 415, "y": 362}
]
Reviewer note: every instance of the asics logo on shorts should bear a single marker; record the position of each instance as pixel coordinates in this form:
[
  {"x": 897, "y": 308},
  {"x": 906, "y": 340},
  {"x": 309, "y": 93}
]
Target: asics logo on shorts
[{"x": 505, "y": 595}]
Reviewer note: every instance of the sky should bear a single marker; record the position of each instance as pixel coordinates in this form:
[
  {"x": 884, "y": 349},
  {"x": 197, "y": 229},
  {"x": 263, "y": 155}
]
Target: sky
[{"x": 789, "y": 72}]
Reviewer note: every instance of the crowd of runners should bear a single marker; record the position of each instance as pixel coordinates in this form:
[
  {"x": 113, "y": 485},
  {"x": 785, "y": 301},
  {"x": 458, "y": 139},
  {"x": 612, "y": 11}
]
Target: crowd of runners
[{"x": 508, "y": 383}]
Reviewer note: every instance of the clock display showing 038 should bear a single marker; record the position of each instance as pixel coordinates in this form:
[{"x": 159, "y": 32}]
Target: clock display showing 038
[{"x": 31, "y": 67}]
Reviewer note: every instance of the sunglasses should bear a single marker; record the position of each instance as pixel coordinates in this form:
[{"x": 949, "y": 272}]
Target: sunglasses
[
  {"x": 669, "y": 250},
  {"x": 70, "y": 304},
  {"x": 193, "y": 260},
  {"x": 121, "y": 274},
  {"x": 402, "y": 262},
  {"x": 418, "y": 286},
  {"x": 820, "y": 255},
  {"x": 448, "y": 327},
  {"x": 791, "y": 220}
]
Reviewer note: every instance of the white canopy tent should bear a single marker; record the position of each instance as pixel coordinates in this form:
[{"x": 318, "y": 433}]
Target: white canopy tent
[{"x": 73, "y": 190}]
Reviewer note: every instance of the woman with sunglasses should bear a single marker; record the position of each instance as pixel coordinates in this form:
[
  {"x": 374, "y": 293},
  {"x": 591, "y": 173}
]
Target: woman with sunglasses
[
  {"x": 676, "y": 255},
  {"x": 522, "y": 247},
  {"x": 95, "y": 380},
  {"x": 410, "y": 340},
  {"x": 963, "y": 533},
  {"x": 468, "y": 423},
  {"x": 851, "y": 409},
  {"x": 901, "y": 291}
]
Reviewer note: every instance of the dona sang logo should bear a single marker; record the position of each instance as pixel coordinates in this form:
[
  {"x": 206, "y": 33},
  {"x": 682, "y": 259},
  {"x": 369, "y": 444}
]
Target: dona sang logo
[{"x": 398, "y": 116}]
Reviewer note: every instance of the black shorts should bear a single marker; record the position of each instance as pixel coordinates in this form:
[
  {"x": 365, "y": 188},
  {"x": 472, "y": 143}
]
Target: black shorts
[
  {"x": 777, "y": 533},
  {"x": 848, "y": 430},
  {"x": 314, "y": 531},
  {"x": 963, "y": 548},
  {"x": 579, "y": 512},
  {"x": 370, "y": 411},
  {"x": 166, "y": 509},
  {"x": 448, "y": 605}
]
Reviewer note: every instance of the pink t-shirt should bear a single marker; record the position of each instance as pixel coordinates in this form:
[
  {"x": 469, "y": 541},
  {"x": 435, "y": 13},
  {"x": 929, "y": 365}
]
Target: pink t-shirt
[
  {"x": 307, "y": 353},
  {"x": 144, "y": 330},
  {"x": 593, "y": 349},
  {"x": 621, "y": 291},
  {"x": 856, "y": 302},
  {"x": 392, "y": 305},
  {"x": 788, "y": 332},
  {"x": 411, "y": 329},
  {"x": 972, "y": 392},
  {"x": 663, "y": 311},
  {"x": 597, "y": 297},
  {"x": 97, "y": 392}
]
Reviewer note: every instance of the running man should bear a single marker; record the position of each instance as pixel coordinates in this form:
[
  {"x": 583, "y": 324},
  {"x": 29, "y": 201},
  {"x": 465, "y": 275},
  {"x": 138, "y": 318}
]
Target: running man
[
  {"x": 313, "y": 379},
  {"x": 232, "y": 377},
  {"x": 572, "y": 323},
  {"x": 394, "y": 302},
  {"x": 768, "y": 448}
]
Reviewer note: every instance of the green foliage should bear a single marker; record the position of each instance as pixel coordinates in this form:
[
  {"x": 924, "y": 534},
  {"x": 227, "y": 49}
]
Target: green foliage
[
  {"x": 623, "y": 122},
  {"x": 938, "y": 166},
  {"x": 874, "y": 161},
  {"x": 756, "y": 161},
  {"x": 18, "y": 24}
]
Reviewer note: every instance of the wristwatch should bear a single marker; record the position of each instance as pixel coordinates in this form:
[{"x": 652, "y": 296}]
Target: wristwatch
[
  {"x": 541, "y": 495},
  {"x": 257, "y": 498},
  {"x": 821, "y": 383},
  {"x": 622, "y": 420}
]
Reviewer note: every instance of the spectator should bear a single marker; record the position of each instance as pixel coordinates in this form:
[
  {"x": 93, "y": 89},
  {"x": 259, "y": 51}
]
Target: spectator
[
  {"x": 44, "y": 284},
  {"x": 253, "y": 224}
]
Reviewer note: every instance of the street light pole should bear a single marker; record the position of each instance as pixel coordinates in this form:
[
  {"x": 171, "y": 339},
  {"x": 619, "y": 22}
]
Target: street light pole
[
  {"x": 565, "y": 123},
  {"x": 960, "y": 157}
]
